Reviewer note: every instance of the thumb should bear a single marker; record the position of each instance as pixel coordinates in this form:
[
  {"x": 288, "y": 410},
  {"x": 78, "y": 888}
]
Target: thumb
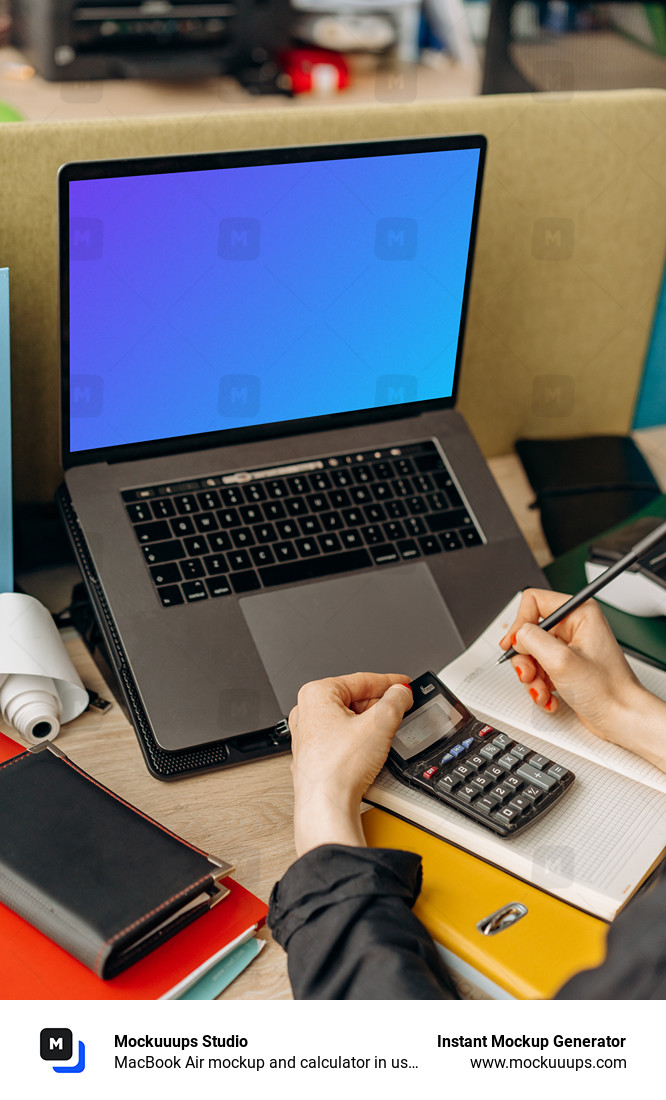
[
  {"x": 552, "y": 653},
  {"x": 389, "y": 711}
]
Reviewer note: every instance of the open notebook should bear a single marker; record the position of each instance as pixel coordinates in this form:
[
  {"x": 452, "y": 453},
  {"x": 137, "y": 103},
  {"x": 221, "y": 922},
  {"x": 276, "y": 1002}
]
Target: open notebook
[{"x": 595, "y": 847}]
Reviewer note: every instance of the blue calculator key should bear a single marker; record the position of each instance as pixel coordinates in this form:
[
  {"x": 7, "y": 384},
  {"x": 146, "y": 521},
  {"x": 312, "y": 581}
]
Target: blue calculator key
[
  {"x": 445, "y": 759},
  {"x": 467, "y": 742},
  {"x": 456, "y": 750}
]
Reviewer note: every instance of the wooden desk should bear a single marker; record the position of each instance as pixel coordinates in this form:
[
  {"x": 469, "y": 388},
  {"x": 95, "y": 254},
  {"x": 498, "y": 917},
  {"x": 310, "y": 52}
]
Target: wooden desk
[{"x": 245, "y": 814}]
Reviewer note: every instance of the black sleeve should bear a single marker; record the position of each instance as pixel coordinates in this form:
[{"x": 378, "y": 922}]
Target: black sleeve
[
  {"x": 635, "y": 964},
  {"x": 344, "y": 917}
]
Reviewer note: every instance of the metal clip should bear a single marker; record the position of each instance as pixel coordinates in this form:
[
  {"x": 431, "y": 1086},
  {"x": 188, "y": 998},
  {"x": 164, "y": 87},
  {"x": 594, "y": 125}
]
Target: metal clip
[{"x": 502, "y": 918}]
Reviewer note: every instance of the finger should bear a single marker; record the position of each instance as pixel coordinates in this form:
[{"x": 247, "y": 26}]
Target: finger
[
  {"x": 525, "y": 668},
  {"x": 292, "y": 720},
  {"x": 540, "y": 692},
  {"x": 535, "y": 604},
  {"x": 358, "y": 687},
  {"x": 550, "y": 652},
  {"x": 389, "y": 711}
]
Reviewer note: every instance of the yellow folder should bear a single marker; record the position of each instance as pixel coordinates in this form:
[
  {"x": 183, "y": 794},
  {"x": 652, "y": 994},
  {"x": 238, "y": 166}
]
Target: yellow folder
[{"x": 530, "y": 959}]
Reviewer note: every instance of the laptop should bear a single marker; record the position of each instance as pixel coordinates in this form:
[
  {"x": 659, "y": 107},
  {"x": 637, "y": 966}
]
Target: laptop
[{"x": 266, "y": 479}]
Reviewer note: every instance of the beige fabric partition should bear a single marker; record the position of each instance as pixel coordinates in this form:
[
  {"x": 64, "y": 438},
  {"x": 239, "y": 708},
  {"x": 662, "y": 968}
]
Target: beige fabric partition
[{"x": 569, "y": 257}]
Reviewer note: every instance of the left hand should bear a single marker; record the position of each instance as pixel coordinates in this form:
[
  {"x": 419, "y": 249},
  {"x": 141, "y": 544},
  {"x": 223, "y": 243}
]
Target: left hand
[{"x": 341, "y": 731}]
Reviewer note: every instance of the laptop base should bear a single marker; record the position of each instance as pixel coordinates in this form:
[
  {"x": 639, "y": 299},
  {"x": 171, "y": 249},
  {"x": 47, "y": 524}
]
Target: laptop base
[{"x": 105, "y": 647}]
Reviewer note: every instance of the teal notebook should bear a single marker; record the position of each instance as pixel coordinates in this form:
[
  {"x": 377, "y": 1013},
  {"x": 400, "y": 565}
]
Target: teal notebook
[{"x": 644, "y": 637}]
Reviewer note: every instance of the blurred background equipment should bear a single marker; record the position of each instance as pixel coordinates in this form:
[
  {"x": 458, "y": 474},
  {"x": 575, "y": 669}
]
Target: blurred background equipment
[
  {"x": 556, "y": 46},
  {"x": 155, "y": 39}
]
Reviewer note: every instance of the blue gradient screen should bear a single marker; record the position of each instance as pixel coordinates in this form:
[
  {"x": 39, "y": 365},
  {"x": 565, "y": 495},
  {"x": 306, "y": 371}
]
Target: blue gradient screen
[{"x": 215, "y": 299}]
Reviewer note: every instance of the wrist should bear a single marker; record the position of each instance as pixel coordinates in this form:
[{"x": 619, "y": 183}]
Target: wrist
[
  {"x": 641, "y": 727},
  {"x": 324, "y": 815}
]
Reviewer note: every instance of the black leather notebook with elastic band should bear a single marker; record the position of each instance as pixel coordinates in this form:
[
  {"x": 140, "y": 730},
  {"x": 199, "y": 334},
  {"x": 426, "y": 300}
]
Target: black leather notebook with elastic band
[{"x": 92, "y": 872}]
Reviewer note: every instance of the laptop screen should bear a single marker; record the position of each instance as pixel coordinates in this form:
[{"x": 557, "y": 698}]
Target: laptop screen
[{"x": 207, "y": 295}]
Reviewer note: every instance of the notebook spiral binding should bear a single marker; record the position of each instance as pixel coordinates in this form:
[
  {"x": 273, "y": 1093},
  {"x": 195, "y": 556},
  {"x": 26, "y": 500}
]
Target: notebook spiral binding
[{"x": 163, "y": 765}]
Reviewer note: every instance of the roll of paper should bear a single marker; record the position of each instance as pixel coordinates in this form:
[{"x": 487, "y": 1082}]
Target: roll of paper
[{"x": 40, "y": 689}]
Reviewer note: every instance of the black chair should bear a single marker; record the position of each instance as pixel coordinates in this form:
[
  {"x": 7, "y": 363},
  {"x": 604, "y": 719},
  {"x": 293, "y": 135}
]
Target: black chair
[{"x": 554, "y": 46}]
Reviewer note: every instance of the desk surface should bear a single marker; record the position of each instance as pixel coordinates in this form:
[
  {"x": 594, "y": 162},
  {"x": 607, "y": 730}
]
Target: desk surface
[{"x": 245, "y": 814}]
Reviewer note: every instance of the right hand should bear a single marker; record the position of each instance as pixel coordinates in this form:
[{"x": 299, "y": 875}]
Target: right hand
[{"x": 581, "y": 660}]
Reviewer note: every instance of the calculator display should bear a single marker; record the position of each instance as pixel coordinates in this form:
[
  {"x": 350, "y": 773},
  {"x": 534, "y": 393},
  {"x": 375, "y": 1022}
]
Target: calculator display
[{"x": 433, "y": 721}]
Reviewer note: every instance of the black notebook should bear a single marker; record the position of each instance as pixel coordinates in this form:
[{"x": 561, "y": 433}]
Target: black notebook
[{"x": 92, "y": 872}]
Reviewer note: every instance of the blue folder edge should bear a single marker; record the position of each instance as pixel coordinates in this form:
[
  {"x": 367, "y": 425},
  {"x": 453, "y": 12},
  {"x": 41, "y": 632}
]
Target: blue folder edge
[{"x": 223, "y": 973}]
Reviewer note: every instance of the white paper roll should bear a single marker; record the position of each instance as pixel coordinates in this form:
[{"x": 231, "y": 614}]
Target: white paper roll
[{"x": 39, "y": 687}]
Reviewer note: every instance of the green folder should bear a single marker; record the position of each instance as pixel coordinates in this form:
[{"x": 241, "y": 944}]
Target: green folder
[{"x": 644, "y": 637}]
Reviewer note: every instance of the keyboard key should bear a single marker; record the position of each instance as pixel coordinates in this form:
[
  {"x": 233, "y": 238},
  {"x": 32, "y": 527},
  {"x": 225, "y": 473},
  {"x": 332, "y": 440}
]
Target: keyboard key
[
  {"x": 448, "y": 782},
  {"x": 403, "y": 487},
  {"x": 331, "y": 521},
  {"x": 262, "y": 555},
  {"x": 183, "y": 525},
  {"x": 476, "y": 761},
  {"x": 329, "y": 544},
  {"x": 296, "y": 506},
  {"x": 341, "y": 478},
  {"x": 192, "y": 568},
  {"x": 351, "y": 539},
  {"x": 219, "y": 541},
  {"x": 284, "y": 551},
  {"x": 215, "y": 563},
  {"x": 170, "y": 595},
  {"x": 266, "y": 532},
  {"x": 287, "y": 529},
  {"x": 239, "y": 559},
  {"x": 373, "y": 534},
  {"x": 353, "y": 517},
  {"x": 507, "y": 761},
  {"x": 541, "y": 763},
  {"x": 429, "y": 545},
  {"x": 536, "y": 777},
  {"x": 363, "y": 474},
  {"x": 153, "y": 532},
  {"x": 139, "y": 513},
  {"x": 218, "y": 586},
  {"x": 382, "y": 491},
  {"x": 482, "y": 782},
  {"x": 231, "y": 496},
  {"x": 471, "y": 537},
  {"x": 490, "y": 751},
  {"x": 487, "y": 804},
  {"x": 557, "y": 771},
  {"x": 361, "y": 495},
  {"x": 276, "y": 489},
  {"x": 506, "y": 815},
  {"x": 512, "y": 781},
  {"x": 228, "y": 517},
  {"x": 310, "y": 525},
  {"x": 320, "y": 481},
  {"x": 384, "y": 554},
  {"x": 431, "y": 461},
  {"x": 339, "y": 498},
  {"x": 396, "y": 510},
  {"x": 416, "y": 526},
  {"x": 447, "y": 521},
  {"x": 245, "y": 582},
  {"x": 457, "y": 750},
  {"x": 298, "y": 485},
  {"x": 417, "y": 505},
  {"x": 318, "y": 502},
  {"x": 394, "y": 531},
  {"x": 209, "y": 500},
  {"x": 407, "y": 548},
  {"x": 186, "y": 504},
  {"x": 254, "y": 493},
  {"x": 501, "y": 791},
  {"x": 165, "y": 574},
  {"x": 451, "y": 541},
  {"x": 205, "y": 522},
  {"x": 195, "y": 591},
  {"x": 531, "y": 793},
  {"x": 251, "y": 513},
  {"x": 520, "y": 803},
  {"x": 163, "y": 508},
  {"x": 242, "y": 536},
  {"x": 467, "y": 793},
  {"x": 374, "y": 513},
  {"x": 501, "y": 740},
  {"x": 274, "y": 509},
  {"x": 464, "y": 770},
  {"x": 161, "y": 552},
  {"x": 196, "y": 545},
  {"x": 493, "y": 771},
  {"x": 314, "y": 567},
  {"x": 383, "y": 470},
  {"x": 307, "y": 547},
  {"x": 521, "y": 751}
]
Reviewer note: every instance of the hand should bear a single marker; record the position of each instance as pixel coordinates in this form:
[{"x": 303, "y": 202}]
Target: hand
[
  {"x": 581, "y": 660},
  {"x": 341, "y": 731}
]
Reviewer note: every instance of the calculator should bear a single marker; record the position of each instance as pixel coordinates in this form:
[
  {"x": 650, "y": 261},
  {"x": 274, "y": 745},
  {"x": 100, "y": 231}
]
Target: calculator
[{"x": 442, "y": 749}]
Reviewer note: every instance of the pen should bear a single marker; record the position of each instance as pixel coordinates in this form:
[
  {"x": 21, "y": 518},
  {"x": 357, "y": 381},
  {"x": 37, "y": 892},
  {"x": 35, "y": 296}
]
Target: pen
[{"x": 638, "y": 551}]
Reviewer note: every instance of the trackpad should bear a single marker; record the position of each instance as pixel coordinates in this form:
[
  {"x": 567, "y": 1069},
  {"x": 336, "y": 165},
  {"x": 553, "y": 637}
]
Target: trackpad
[{"x": 393, "y": 620}]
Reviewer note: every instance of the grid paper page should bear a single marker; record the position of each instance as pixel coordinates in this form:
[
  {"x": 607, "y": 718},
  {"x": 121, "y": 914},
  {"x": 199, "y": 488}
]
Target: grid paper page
[
  {"x": 592, "y": 849},
  {"x": 492, "y": 692}
]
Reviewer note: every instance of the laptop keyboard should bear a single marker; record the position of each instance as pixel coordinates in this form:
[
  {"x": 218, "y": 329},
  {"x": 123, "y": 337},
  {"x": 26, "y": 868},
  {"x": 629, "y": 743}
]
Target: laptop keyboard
[{"x": 235, "y": 533}]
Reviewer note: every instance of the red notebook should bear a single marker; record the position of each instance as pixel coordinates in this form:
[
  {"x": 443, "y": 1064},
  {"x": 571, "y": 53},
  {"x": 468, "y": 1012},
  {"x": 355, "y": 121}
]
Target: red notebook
[{"x": 32, "y": 967}]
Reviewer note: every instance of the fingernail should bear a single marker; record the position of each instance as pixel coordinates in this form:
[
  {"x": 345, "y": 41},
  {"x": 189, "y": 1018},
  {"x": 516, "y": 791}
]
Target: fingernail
[
  {"x": 407, "y": 686},
  {"x": 519, "y": 674},
  {"x": 549, "y": 704},
  {"x": 513, "y": 639},
  {"x": 534, "y": 693}
]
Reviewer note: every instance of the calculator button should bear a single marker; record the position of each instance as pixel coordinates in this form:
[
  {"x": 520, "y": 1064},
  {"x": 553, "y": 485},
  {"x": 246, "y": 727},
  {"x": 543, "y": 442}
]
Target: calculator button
[
  {"x": 429, "y": 772},
  {"x": 486, "y": 804},
  {"x": 448, "y": 782},
  {"x": 446, "y": 758},
  {"x": 485, "y": 730},
  {"x": 467, "y": 793},
  {"x": 521, "y": 751},
  {"x": 475, "y": 761},
  {"x": 463, "y": 770},
  {"x": 457, "y": 750},
  {"x": 495, "y": 772},
  {"x": 512, "y": 781},
  {"x": 520, "y": 803},
  {"x": 467, "y": 742},
  {"x": 531, "y": 792},
  {"x": 506, "y": 815},
  {"x": 539, "y": 762},
  {"x": 490, "y": 751},
  {"x": 502, "y": 740},
  {"x": 501, "y": 791},
  {"x": 540, "y": 779},
  {"x": 557, "y": 771},
  {"x": 507, "y": 761},
  {"x": 482, "y": 782}
]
